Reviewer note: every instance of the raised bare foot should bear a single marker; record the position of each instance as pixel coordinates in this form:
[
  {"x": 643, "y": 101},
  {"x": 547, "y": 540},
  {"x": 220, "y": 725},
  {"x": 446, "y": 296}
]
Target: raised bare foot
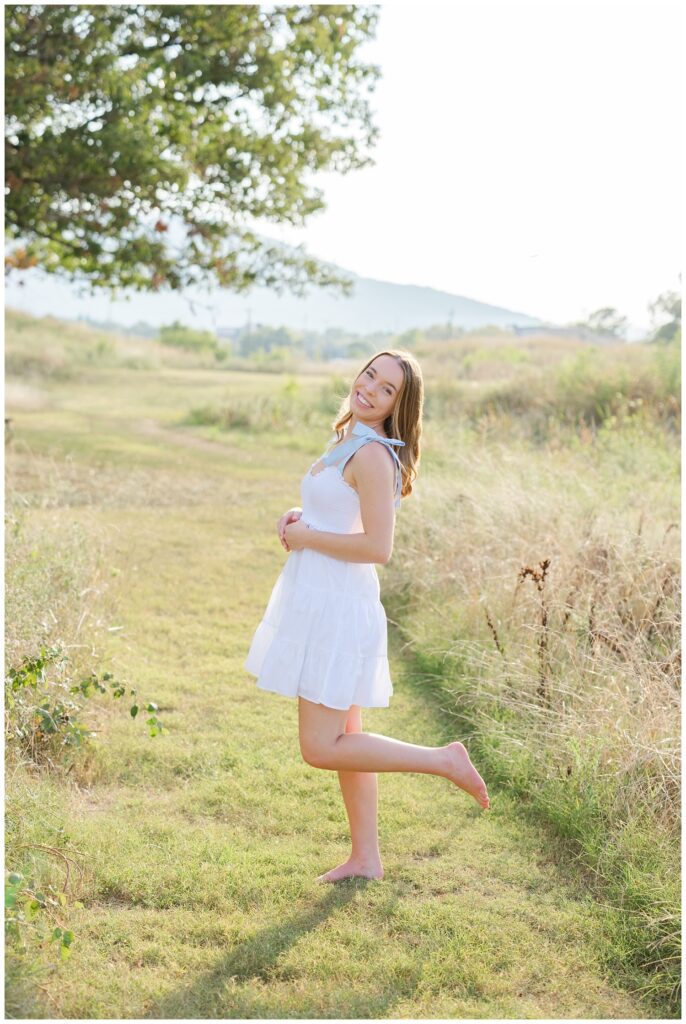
[
  {"x": 351, "y": 867},
  {"x": 462, "y": 772}
]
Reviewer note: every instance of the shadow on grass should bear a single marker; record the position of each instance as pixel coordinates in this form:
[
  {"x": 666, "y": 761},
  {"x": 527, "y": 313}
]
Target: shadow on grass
[{"x": 226, "y": 991}]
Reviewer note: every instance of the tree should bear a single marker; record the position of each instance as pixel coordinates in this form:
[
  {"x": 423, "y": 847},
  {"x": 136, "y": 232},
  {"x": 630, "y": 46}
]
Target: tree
[
  {"x": 180, "y": 336},
  {"x": 605, "y": 321},
  {"x": 143, "y": 140},
  {"x": 264, "y": 337},
  {"x": 668, "y": 304}
]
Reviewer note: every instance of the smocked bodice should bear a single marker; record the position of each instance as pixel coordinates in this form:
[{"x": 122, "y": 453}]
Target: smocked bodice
[{"x": 328, "y": 501}]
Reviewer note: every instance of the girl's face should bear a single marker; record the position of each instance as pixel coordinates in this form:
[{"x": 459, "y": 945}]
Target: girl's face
[{"x": 376, "y": 390}]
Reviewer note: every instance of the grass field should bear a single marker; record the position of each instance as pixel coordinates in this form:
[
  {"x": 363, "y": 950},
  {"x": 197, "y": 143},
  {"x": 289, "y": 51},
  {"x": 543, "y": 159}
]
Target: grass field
[{"x": 142, "y": 495}]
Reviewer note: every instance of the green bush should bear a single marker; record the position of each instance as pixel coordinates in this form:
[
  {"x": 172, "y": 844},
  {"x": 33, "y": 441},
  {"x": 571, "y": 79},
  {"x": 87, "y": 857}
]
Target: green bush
[
  {"x": 287, "y": 409},
  {"x": 180, "y": 336}
]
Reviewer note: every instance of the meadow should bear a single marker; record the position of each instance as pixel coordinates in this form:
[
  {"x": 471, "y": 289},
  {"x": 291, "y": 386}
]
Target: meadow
[{"x": 533, "y": 598}]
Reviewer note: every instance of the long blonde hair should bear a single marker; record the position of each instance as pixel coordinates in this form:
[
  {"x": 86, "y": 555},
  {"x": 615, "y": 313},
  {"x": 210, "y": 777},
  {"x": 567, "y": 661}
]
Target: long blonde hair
[{"x": 405, "y": 421}]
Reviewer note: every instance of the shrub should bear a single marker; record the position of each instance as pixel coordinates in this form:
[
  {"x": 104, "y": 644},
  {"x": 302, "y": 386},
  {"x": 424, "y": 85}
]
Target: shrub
[{"x": 180, "y": 336}]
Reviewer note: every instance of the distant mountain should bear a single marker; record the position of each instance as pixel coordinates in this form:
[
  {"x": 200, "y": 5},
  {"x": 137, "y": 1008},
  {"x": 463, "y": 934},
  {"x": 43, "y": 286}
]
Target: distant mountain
[{"x": 372, "y": 306}]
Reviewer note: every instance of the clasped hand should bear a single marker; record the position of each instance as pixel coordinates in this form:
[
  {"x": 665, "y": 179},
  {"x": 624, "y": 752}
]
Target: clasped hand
[{"x": 292, "y": 533}]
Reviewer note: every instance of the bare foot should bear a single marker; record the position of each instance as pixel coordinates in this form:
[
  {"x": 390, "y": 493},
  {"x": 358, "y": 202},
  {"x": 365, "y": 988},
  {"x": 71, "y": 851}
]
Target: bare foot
[
  {"x": 351, "y": 867},
  {"x": 462, "y": 772}
]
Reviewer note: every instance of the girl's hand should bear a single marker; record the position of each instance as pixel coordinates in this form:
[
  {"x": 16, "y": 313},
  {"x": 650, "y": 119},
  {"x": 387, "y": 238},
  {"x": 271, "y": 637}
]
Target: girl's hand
[
  {"x": 296, "y": 534},
  {"x": 291, "y": 516}
]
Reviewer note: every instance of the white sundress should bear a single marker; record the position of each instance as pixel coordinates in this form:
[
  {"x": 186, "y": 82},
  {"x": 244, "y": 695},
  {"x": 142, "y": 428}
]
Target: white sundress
[{"x": 324, "y": 632}]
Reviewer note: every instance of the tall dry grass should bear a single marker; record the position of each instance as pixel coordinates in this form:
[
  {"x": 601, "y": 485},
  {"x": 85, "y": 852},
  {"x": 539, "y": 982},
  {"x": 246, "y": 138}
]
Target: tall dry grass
[{"x": 537, "y": 582}]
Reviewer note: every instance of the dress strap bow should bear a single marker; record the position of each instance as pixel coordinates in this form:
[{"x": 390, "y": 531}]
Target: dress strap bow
[{"x": 361, "y": 434}]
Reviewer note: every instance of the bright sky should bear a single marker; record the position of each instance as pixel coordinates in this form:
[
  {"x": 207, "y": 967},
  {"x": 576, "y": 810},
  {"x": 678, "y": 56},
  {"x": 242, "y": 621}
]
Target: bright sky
[{"x": 530, "y": 156}]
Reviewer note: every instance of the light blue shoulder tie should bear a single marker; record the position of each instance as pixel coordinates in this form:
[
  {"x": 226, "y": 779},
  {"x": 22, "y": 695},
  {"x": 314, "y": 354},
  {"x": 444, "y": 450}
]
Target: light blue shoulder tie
[{"x": 361, "y": 435}]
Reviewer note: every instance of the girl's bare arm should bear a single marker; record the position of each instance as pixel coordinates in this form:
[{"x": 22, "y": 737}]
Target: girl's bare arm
[{"x": 374, "y": 482}]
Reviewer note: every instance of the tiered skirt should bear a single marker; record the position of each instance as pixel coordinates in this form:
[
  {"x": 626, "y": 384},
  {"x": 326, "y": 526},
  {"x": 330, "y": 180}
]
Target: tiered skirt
[{"x": 324, "y": 634}]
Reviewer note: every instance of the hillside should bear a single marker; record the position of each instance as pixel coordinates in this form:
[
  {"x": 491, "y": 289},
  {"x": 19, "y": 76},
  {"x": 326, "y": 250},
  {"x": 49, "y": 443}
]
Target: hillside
[{"x": 372, "y": 306}]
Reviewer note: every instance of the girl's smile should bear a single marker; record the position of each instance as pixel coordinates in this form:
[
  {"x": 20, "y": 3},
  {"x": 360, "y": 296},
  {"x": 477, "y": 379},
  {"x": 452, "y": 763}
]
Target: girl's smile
[{"x": 377, "y": 388}]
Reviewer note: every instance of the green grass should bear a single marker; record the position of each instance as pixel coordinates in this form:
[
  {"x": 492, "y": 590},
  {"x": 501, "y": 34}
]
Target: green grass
[{"x": 198, "y": 849}]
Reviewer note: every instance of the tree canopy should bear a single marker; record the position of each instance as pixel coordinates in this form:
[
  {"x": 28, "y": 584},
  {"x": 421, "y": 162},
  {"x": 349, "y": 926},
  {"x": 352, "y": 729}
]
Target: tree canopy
[
  {"x": 144, "y": 140},
  {"x": 668, "y": 305},
  {"x": 606, "y": 321}
]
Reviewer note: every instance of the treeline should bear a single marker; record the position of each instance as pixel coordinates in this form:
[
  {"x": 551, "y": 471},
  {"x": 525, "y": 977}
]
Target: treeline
[
  {"x": 265, "y": 343},
  {"x": 262, "y": 342}
]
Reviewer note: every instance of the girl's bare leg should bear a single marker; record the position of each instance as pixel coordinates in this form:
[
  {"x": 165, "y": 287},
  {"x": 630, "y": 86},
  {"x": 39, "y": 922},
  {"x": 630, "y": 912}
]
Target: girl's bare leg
[
  {"x": 361, "y": 797},
  {"x": 325, "y": 744}
]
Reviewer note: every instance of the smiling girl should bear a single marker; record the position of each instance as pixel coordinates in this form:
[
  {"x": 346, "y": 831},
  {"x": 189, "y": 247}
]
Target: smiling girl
[{"x": 323, "y": 636}]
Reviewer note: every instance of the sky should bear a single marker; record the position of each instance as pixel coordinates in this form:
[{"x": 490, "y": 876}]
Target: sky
[{"x": 531, "y": 156}]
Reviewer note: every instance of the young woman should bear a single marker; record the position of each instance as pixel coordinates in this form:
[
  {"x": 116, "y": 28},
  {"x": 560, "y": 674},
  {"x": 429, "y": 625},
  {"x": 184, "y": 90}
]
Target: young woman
[{"x": 323, "y": 637}]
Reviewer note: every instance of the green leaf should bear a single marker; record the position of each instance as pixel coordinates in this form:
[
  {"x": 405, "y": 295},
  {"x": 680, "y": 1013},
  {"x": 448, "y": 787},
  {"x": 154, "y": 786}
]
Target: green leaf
[
  {"x": 31, "y": 909},
  {"x": 87, "y": 142}
]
